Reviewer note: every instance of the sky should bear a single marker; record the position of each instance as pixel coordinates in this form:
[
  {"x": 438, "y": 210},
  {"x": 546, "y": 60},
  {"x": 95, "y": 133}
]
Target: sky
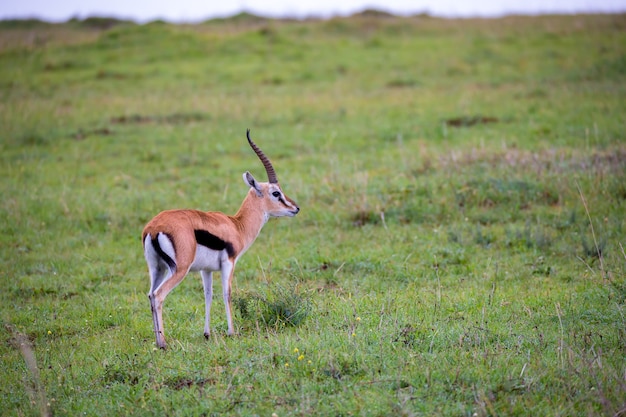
[{"x": 197, "y": 10}]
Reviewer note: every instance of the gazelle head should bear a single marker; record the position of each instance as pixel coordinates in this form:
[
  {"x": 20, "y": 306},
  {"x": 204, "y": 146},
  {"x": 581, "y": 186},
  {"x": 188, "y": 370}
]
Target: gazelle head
[{"x": 274, "y": 202}]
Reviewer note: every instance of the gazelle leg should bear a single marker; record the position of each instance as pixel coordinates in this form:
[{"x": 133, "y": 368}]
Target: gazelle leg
[
  {"x": 157, "y": 320},
  {"x": 158, "y": 275},
  {"x": 228, "y": 268},
  {"x": 207, "y": 283},
  {"x": 157, "y": 297}
]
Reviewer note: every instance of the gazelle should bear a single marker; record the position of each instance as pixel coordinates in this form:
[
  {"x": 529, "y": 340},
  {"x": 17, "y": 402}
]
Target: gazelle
[{"x": 178, "y": 241}]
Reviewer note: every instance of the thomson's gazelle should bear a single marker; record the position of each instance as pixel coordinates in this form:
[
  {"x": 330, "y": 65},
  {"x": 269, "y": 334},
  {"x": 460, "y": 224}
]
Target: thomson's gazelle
[{"x": 178, "y": 241}]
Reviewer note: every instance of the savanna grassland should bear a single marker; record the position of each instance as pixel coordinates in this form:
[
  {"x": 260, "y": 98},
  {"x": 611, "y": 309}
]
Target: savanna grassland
[{"x": 460, "y": 249}]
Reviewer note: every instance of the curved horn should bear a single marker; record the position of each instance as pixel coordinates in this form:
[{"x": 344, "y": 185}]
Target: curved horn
[{"x": 271, "y": 174}]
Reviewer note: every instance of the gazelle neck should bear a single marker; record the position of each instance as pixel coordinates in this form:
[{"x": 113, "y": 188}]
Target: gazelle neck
[{"x": 250, "y": 218}]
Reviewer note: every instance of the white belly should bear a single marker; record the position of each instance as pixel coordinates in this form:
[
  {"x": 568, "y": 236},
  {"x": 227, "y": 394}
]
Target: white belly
[{"x": 208, "y": 259}]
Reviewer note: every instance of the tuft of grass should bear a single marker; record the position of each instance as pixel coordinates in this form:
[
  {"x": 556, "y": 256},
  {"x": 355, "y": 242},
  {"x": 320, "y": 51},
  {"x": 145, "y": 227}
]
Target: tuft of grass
[
  {"x": 275, "y": 307},
  {"x": 124, "y": 369}
]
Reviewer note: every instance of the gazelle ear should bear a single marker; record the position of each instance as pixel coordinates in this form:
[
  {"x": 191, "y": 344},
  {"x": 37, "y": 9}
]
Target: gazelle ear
[{"x": 252, "y": 183}]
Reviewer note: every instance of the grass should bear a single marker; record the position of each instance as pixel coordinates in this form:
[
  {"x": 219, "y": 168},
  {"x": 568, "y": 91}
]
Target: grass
[{"x": 460, "y": 249}]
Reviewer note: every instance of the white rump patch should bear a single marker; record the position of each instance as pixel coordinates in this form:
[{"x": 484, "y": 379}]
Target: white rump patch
[{"x": 166, "y": 245}]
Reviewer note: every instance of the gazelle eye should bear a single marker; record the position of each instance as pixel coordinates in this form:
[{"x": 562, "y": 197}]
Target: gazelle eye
[{"x": 276, "y": 194}]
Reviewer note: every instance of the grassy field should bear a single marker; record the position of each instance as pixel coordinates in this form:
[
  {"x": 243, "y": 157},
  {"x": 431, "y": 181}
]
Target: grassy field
[{"x": 460, "y": 249}]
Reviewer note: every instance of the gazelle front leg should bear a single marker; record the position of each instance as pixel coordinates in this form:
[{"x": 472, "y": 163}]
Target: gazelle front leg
[
  {"x": 228, "y": 269},
  {"x": 207, "y": 283}
]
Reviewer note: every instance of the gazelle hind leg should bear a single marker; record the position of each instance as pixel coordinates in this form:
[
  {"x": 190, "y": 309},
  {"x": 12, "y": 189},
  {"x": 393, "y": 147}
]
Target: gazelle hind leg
[
  {"x": 157, "y": 320},
  {"x": 158, "y": 297},
  {"x": 158, "y": 275},
  {"x": 160, "y": 272},
  {"x": 167, "y": 270},
  {"x": 207, "y": 283}
]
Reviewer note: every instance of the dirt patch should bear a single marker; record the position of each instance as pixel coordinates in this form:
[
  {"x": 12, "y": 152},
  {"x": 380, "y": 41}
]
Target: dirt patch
[
  {"x": 83, "y": 134},
  {"x": 362, "y": 217},
  {"x": 183, "y": 383},
  {"x": 174, "y": 118},
  {"x": 468, "y": 121},
  {"x": 608, "y": 161}
]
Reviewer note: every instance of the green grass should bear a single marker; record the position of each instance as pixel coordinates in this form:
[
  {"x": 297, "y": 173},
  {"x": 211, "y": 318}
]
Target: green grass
[{"x": 460, "y": 249}]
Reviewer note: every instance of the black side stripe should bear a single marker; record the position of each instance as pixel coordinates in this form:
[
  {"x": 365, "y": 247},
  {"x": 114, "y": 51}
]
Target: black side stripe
[
  {"x": 169, "y": 261},
  {"x": 211, "y": 241}
]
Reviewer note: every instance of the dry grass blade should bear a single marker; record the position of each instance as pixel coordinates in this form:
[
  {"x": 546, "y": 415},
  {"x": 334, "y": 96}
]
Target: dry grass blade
[
  {"x": 38, "y": 393},
  {"x": 593, "y": 233}
]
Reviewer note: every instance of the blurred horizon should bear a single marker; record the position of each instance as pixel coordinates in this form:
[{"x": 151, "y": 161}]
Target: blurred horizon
[{"x": 190, "y": 11}]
